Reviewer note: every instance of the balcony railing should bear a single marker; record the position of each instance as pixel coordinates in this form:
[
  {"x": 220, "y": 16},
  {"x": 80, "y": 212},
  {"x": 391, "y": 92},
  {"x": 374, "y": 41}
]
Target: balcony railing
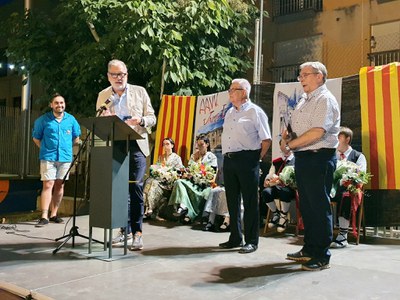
[
  {"x": 384, "y": 57},
  {"x": 286, "y": 7},
  {"x": 285, "y": 73}
]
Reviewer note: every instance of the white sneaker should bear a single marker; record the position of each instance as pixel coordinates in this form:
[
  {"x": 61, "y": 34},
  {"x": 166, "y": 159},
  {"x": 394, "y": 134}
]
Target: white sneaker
[
  {"x": 137, "y": 242},
  {"x": 119, "y": 239}
]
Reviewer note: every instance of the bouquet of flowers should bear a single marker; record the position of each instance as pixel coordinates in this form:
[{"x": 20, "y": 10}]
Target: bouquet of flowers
[
  {"x": 166, "y": 175},
  {"x": 287, "y": 177},
  {"x": 349, "y": 175},
  {"x": 200, "y": 174}
]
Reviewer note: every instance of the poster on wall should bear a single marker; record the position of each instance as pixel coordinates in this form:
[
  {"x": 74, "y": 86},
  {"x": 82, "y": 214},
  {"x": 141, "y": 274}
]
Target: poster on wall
[
  {"x": 286, "y": 96},
  {"x": 210, "y": 114},
  {"x": 209, "y": 117}
]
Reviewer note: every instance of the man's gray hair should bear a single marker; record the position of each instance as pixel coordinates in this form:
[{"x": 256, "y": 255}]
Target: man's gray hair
[
  {"x": 116, "y": 62},
  {"x": 318, "y": 67},
  {"x": 244, "y": 84}
]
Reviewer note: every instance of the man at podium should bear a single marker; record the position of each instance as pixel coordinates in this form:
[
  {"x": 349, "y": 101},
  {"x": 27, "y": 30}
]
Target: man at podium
[{"x": 130, "y": 103}]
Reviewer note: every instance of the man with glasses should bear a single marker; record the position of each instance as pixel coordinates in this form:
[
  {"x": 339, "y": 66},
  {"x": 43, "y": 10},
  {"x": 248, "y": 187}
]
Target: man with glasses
[
  {"x": 246, "y": 138},
  {"x": 315, "y": 121},
  {"x": 131, "y": 103}
]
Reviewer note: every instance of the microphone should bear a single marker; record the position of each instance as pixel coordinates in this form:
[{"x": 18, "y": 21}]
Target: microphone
[{"x": 104, "y": 105}]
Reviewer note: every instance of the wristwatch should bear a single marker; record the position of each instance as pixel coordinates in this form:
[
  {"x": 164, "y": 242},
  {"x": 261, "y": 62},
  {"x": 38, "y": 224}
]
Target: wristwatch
[{"x": 287, "y": 148}]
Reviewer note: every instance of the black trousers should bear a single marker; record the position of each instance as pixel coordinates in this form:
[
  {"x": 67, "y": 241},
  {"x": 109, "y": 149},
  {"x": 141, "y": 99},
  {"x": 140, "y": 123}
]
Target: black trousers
[
  {"x": 137, "y": 169},
  {"x": 343, "y": 203},
  {"x": 314, "y": 177},
  {"x": 241, "y": 173}
]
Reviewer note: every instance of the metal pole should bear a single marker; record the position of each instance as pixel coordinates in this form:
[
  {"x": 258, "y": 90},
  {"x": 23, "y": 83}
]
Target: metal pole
[
  {"x": 164, "y": 65},
  {"x": 260, "y": 42},
  {"x": 25, "y": 113},
  {"x": 256, "y": 37}
]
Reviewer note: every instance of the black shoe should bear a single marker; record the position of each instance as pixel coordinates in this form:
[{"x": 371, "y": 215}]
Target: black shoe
[
  {"x": 181, "y": 212},
  {"x": 209, "y": 227},
  {"x": 42, "y": 222},
  {"x": 56, "y": 219},
  {"x": 299, "y": 256},
  {"x": 230, "y": 245},
  {"x": 248, "y": 248},
  {"x": 316, "y": 264},
  {"x": 185, "y": 220},
  {"x": 224, "y": 227}
]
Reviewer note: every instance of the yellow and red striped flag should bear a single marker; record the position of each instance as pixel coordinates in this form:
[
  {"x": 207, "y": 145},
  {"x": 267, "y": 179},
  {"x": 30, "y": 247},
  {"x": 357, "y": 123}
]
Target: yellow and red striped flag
[
  {"x": 380, "y": 120},
  {"x": 176, "y": 121}
]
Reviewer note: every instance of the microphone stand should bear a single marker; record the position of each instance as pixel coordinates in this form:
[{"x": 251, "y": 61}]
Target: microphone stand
[{"x": 74, "y": 229}]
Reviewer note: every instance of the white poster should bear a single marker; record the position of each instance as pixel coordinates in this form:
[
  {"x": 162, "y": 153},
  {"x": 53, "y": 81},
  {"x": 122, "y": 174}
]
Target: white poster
[
  {"x": 286, "y": 96},
  {"x": 209, "y": 119},
  {"x": 210, "y": 114}
]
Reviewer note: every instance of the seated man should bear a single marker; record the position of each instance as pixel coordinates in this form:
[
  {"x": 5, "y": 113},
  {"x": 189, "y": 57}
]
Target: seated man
[
  {"x": 274, "y": 189},
  {"x": 345, "y": 152}
]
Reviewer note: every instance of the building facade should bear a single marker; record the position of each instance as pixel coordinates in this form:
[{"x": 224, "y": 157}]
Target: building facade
[{"x": 343, "y": 34}]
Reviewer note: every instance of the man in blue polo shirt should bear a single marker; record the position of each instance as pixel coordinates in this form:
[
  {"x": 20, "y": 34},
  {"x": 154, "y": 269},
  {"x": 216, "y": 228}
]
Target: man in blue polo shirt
[{"x": 54, "y": 133}]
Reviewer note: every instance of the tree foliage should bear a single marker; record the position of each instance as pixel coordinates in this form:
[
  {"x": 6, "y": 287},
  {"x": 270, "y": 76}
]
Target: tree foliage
[{"x": 203, "y": 43}]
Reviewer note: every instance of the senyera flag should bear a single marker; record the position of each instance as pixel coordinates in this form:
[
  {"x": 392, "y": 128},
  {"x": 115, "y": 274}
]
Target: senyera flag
[
  {"x": 175, "y": 120},
  {"x": 380, "y": 124}
]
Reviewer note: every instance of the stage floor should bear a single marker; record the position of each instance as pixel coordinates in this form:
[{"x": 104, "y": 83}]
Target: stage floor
[{"x": 183, "y": 262}]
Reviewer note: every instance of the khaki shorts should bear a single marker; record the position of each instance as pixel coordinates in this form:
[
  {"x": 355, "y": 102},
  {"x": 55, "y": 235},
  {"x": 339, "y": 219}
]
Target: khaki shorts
[{"x": 52, "y": 170}]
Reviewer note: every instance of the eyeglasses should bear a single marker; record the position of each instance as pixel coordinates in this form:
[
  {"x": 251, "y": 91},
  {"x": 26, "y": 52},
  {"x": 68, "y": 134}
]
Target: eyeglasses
[
  {"x": 304, "y": 76},
  {"x": 233, "y": 90},
  {"x": 118, "y": 75}
]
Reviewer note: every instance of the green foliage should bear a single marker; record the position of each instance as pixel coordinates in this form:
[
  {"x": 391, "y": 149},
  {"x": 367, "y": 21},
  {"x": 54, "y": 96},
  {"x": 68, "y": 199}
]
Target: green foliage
[{"x": 204, "y": 44}]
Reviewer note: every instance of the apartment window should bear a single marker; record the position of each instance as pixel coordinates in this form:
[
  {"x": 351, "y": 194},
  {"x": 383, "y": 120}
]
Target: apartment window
[
  {"x": 288, "y": 55},
  {"x": 286, "y": 7},
  {"x": 384, "y": 43}
]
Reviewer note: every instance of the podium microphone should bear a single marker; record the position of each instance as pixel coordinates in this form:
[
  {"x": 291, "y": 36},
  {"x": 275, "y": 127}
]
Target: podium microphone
[{"x": 104, "y": 106}]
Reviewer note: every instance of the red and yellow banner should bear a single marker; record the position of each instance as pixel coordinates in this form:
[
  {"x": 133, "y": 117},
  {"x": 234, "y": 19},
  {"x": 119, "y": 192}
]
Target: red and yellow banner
[
  {"x": 380, "y": 124},
  {"x": 175, "y": 120}
]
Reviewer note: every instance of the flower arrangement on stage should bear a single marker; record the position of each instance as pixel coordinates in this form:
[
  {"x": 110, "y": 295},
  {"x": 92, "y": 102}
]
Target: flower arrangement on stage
[
  {"x": 349, "y": 175},
  {"x": 166, "y": 175},
  {"x": 287, "y": 177},
  {"x": 200, "y": 174}
]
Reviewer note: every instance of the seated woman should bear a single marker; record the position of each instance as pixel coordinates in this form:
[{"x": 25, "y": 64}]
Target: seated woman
[
  {"x": 216, "y": 205},
  {"x": 275, "y": 190},
  {"x": 187, "y": 195},
  {"x": 154, "y": 189}
]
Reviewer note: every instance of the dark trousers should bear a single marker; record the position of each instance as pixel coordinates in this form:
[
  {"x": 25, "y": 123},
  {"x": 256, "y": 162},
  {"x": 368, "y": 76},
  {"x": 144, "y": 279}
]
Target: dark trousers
[
  {"x": 283, "y": 193},
  {"x": 241, "y": 172},
  {"x": 343, "y": 203},
  {"x": 137, "y": 169},
  {"x": 314, "y": 177}
]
